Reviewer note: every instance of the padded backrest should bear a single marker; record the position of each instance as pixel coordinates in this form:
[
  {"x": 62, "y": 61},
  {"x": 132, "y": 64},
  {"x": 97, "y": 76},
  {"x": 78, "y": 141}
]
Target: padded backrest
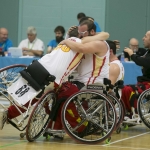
[
  {"x": 37, "y": 76},
  {"x": 37, "y": 72},
  {"x": 30, "y": 80}
]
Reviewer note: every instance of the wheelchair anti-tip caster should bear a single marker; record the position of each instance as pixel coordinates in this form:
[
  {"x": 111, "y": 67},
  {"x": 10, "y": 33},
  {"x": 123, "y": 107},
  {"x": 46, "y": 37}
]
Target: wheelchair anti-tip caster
[
  {"x": 125, "y": 127},
  {"x": 22, "y": 135},
  {"x": 47, "y": 135},
  {"x": 58, "y": 137},
  {"x": 107, "y": 141},
  {"x": 118, "y": 130}
]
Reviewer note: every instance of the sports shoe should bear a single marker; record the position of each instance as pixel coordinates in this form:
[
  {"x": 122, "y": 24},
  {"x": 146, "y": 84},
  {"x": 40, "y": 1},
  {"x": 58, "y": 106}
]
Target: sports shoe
[{"x": 3, "y": 118}]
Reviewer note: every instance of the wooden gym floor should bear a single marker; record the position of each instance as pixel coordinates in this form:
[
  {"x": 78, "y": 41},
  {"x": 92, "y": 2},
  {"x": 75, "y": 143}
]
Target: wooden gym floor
[{"x": 135, "y": 138}]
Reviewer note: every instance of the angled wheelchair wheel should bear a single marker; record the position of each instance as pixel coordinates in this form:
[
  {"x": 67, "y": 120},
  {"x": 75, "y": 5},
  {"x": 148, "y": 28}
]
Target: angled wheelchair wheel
[
  {"x": 119, "y": 109},
  {"x": 40, "y": 116},
  {"x": 89, "y": 117},
  {"x": 9, "y": 74},
  {"x": 144, "y": 107}
]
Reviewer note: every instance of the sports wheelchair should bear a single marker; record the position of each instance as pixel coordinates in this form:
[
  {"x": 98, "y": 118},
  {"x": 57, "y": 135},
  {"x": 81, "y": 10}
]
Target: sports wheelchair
[
  {"x": 16, "y": 82},
  {"x": 143, "y": 106},
  {"x": 142, "y": 113},
  {"x": 95, "y": 113}
]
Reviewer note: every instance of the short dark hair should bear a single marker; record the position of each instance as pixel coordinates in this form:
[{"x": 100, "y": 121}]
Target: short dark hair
[
  {"x": 112, "y": 45},
  {"x": 89, "y": 23},
  {"x": 73, "y": 32},
  {"x": 80, "y": 15},
  {"x": 86, "y": 18},
  {"x": 61, "y": 29}
]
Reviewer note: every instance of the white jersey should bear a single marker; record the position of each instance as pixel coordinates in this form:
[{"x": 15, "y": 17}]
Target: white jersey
[
  {"x": 93, "y": 68},
  {"x": 121, "y": 75},
  {"x": 61, "y": 61}
]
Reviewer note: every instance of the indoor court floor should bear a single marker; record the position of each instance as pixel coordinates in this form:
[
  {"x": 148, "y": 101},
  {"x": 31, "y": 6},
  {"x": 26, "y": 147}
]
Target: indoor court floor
[{"x": 135, "y": 138}]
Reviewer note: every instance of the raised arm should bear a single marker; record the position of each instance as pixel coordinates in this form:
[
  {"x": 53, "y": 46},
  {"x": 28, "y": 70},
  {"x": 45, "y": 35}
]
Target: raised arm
[
  {"x": 90, "y": 47},
  {"x": 100, "y": 36}
]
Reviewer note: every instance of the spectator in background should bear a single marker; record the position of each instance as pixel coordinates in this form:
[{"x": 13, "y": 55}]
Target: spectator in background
[
  {"x": 117, "y": 43},
  {"x": 82, "y": 15},
  {"x": 134, "y": 45},
  {"x": 32, "y": 46},
  {"x": 5, "y": 43},
  {"x": 59, "y": 36}
]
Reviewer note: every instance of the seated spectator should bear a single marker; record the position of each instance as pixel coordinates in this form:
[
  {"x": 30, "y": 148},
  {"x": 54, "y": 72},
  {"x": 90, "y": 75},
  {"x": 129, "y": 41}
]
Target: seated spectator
[
  {"x": 5, "y": 43},
  {"x": 82, "y": 15},
  {"x": 32, "y": 46},
  {"x": 134, "y": 45},
  {"x": 59, "y": 33}
]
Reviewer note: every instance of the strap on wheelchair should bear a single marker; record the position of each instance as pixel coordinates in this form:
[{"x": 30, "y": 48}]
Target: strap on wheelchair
[
  {"x": 80, "y": 85},
  {"x": 119, "y": 84},
  {"x": 134, "y": 87},
  {"x": 108, "y": 84},
  {"x": 37, "y": 76}
]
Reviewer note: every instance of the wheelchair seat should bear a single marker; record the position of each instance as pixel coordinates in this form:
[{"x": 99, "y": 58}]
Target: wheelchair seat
[{"x": 37, "y": 76}]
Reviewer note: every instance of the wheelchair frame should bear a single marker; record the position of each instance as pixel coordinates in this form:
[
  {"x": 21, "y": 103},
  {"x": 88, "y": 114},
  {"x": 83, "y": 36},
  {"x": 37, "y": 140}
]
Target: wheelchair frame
[
  {"x": 12, "y": 76},
  {"x": 109, "y": 109},
  {"x": 144, "y": 107}
]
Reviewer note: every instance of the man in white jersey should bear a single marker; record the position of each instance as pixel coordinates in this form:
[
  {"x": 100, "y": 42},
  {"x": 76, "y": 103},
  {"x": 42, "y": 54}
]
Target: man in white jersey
[
  {"x": 95, "y": 64},
  {"x": 93, "y": 68},
  {"x": 116, "y": 69},
  {"x": 60, "y": 63}
]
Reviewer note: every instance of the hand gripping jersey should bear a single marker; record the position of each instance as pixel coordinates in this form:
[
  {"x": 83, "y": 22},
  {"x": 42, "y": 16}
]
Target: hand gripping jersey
[
  {"x": 121, "y": 75},
  {"x": 61, "y": 61},
  {"x": 93, "y": 68}
]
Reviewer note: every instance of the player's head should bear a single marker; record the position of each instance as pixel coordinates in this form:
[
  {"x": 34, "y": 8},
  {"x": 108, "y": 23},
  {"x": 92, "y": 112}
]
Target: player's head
[
  {"x": 74, "y": 32},
  {"x": 112, "y": 46},
  {"x": 80, "y": 16},
  {"x": 86, "y": 27},
  {"x": 59, "y": 33}
]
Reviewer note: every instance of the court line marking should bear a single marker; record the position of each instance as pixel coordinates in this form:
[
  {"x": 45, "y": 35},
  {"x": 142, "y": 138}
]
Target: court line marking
[
  {"x": 53, "y": 142},
  {"x": 126, "y": 139},
  {"x": 11, "y": 144},
  {"x": 136, "y": 148}
]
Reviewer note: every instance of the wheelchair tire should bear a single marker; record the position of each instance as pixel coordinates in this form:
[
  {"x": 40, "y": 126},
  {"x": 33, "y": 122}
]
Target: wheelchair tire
[
  {"x": 144, "y": 107},
  {"x": 9, "y": 74},
  {"x": 119, "y": 109},
  {"x": 88, "y": 117},
  {"x": 40, "y": 117}
]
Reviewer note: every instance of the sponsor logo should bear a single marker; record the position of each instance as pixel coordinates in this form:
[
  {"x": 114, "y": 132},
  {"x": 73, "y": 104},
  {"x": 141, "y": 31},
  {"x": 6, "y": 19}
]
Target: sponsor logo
[{"x": 95, "y": 87}]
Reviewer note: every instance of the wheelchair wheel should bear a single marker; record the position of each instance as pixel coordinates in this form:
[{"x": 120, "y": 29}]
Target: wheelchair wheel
[
  {"x": 8, "y": 75},
  {"x": 119, "y": 109},
  {"x": 40, "y": 116},
  {"x": 89, "y": 117},
  {"x": 144, "y": 107}
]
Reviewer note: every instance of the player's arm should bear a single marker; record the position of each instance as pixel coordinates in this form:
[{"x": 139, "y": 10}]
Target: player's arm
[
  {"x": 114, "y": 72},
  {"x": 100, "y": 36},
  {"x": 90, "y": 47},
  {"x": 49, "y": 49}
]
